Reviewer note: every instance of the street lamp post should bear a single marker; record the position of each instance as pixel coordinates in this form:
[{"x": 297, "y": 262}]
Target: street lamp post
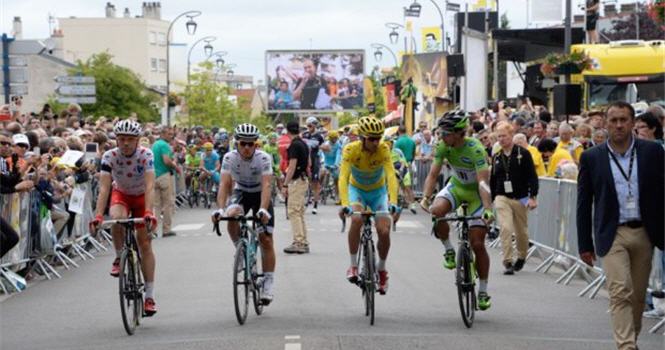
[
  {"x": 191, "y": 29},
  {"x": 394, "y": 35},
  {"x": 378, "y": 54},
  {"x": 207, "y": 50},
  {"x": 219, "y": 61}
]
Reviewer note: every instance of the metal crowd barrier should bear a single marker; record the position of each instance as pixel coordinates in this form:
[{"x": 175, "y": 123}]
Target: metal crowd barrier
[{"x": 26, "y": 215}]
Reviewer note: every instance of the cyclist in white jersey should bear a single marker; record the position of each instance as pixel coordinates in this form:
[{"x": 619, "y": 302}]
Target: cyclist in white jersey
[
  {"x": 128, "y": 176},
  {"x": 251, "y": 171}
]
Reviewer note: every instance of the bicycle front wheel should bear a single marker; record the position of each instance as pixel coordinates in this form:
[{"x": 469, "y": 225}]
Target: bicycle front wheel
[
  {"x": 240, "y": 284},
  {"x": 128, "y": 290},
  {"x": 257, "y": 283},
  {"x": 466, "y": 286},
  {"x": 369, "y": 280}
]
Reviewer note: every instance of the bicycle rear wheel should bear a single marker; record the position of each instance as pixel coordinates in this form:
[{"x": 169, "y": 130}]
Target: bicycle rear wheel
[
  {"x": 240, "y": 284},
  {"x": 369, "y": 280},
  {"x": 465, "y": 286},
  {"x": 128, "y": 290}
]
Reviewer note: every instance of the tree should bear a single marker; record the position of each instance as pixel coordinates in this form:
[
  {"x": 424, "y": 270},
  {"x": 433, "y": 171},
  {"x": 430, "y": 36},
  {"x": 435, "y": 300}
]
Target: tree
[
  {"x": 624, "y": 28},
  {"x": 120, "y": 91},
  {"x": 208, "y": 104}
]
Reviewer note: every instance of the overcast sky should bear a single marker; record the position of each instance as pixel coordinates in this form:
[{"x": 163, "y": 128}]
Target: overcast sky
[{"x": 246, "y": 28}]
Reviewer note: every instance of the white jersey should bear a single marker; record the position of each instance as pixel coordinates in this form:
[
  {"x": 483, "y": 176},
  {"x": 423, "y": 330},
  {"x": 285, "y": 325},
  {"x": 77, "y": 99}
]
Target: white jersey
[
  {"x": 247, "y": 174},
  {"x": 128, "y": 173}
]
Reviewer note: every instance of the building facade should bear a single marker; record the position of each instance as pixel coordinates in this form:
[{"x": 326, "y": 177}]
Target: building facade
[{"x": 137, "y": 43}]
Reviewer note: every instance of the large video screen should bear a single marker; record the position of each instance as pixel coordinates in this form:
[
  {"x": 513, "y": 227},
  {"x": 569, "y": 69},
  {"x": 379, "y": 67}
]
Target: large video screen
[{"x": 315, "y": 80}]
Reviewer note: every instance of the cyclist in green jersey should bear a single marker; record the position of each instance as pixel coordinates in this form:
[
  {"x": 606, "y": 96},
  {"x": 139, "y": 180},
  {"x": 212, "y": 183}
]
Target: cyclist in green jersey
[{"x": 469, "y": 183}]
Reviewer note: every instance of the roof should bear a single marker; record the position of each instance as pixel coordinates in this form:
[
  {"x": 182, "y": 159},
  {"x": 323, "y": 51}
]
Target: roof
[{"x": 525, "y": 45}]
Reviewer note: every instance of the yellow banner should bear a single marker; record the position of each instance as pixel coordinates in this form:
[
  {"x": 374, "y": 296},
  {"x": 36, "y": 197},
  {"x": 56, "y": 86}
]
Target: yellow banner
[
  {"x": 430, "y": 39},
  {"x": 483, "y": 4},
  {"x": 368, "y": 90},
  {"x": 409, "y": 26}
]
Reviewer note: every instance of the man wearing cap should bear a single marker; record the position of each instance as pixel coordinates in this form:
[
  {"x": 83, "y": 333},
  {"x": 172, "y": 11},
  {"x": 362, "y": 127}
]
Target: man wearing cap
[{"x": 295, "y": 187}]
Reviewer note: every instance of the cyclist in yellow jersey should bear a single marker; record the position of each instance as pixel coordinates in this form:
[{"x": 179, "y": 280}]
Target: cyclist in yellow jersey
[{"x": 366, "y": 181}]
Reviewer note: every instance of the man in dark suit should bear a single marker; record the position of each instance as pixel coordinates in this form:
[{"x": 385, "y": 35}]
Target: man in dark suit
[{"x": 623, "y": 181}]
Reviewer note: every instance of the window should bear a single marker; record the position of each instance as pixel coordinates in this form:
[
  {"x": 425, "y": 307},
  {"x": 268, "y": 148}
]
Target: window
[
  {"x": 162, "y": 66},
  {"x": 161, "y": 39},
  {"x": 153, "y": 64},
  {"x": 152, "y": 38}
]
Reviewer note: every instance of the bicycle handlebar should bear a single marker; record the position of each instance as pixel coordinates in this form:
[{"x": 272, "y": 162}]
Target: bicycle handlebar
[
  {"x": 364, "y": 214},
  {"x": 122, "y": 222},
  {"x": 241, "y": 218},
  {"x": 459, "y": 218}
]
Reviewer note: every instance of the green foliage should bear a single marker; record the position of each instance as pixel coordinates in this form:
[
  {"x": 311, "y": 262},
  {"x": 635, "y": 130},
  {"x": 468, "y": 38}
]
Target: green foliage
[
  {"x": 120, "y": 91},
  {"x": 208, "y": 103},
  {"x": 346, "y": 118}
]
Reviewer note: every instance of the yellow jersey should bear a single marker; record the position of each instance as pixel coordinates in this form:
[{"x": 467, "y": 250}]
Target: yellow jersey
[
  {"x": 537, "y": 161},
  {"x": 367, "y": 171},
  {"x": 556, "y": 157}
]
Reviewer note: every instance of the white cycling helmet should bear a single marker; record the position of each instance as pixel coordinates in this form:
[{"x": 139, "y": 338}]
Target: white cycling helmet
[
  {"x": 246, "y": 131},
  {"x": 127, "y": 127},
  {"x": 312, "y": 120}
]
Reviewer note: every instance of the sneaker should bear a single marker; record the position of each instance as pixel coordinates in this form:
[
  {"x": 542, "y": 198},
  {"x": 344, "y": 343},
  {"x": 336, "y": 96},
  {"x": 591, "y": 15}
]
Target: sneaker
[
  {"x": 519, "y": 264},
  {"x": 314, "y": 210},
  {"x": 509, "y": 268},
  {"x": 383, "y": 282},
  {"x": 304, "y": 248},
  {"x": 655, "y": 313},
  {"x": 149, "y": 307},
  {"x": 266, "y": 298},
  {"x": 168, "y": 234},
  {"x": 115, "y": 268},
  {"x": 412, "y": 207},
  {"x": 292, "y": 249},
  {"x": 484, "y": 302},
  {"x": 352, "y": 274},
  {"x": 449, "y": 259}
]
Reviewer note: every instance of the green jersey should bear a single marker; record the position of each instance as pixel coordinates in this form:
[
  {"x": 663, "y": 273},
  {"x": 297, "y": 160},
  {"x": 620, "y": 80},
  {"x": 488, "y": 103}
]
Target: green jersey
[
  {"x": 194, "y": 161},
  {"x": 274, "y": 153},
  {"x": 465, "y": 161}
]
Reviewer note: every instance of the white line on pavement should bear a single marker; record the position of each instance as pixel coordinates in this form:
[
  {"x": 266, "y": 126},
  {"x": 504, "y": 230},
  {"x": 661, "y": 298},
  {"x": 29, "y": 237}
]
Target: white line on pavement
[
  {"x": 292, "y": 346},
  {"x": 291, "y": 337},
  {"x": 187, "y": 227}
]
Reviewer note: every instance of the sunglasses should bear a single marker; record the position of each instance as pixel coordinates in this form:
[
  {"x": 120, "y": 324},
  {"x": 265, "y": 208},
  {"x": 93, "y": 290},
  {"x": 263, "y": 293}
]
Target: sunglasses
[
  {"x": 23, "y": 145},
  {"x": 246, "y": 144},
  {"x": 374, "y": 139},
  {"x": 5, "y": 143}
]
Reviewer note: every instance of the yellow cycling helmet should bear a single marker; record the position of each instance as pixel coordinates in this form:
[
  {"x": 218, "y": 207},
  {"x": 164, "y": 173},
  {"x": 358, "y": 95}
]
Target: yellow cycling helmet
[
  {"x": 370, "y": 127},
  {"x": 333, "y": 134},
  {"x": 208, "y": 146}
]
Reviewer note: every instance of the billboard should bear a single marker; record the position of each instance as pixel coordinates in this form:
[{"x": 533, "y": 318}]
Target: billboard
[
  {"x": 430, "y": 39},
  {"x": 429, "y": 73},
  {"x": 315, "y": 80}
]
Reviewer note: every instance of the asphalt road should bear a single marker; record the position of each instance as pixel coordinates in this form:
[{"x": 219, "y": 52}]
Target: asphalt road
[{"x": 314, "y": 306}]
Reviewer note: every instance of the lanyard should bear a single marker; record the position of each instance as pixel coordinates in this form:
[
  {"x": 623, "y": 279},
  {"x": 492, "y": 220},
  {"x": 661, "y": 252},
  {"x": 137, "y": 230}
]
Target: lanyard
[
  {"x": 630, "y": 167},
  {"x": 506, "y": 165}
]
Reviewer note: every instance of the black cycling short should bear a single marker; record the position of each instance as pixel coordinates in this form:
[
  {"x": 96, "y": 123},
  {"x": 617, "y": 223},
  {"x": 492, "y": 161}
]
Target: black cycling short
[
  {"x": 316, "y": 170},
  {"x": 252, "y": 201},
  {"x": 591, "y": 21}
]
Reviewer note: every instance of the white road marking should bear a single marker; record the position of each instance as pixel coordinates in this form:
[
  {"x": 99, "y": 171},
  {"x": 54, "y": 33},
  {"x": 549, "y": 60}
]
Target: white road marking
[
  {"x": 188, "y": 227},
  {"x": 408, "y": 224},
  {"x": 292, "y": 346}
]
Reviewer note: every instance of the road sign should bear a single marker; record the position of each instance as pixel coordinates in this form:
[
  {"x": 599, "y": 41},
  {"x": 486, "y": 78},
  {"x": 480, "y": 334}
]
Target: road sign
[
  {"x": 411, "y": 13},
  {"x": 16, "y": 75},
  {"x": 74, "y": 79},
  {"x": 77, "y": 99},
  {"x": 80, "y": 90},
  {"x": 17, "y": 89},
  {"x": 452, "y": 7}
]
